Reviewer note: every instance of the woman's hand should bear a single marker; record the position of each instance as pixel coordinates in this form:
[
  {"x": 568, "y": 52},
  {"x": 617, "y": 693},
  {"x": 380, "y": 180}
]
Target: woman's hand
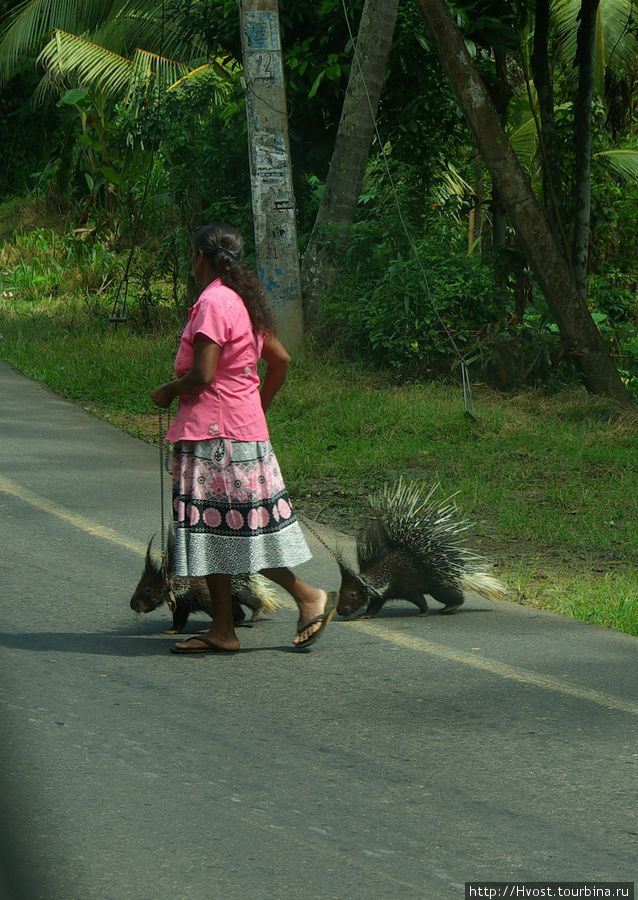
[
  {"x": 277, "y": 359},
  {"x": 202, "y": 373},
  {"x": 163, "y": 396}
]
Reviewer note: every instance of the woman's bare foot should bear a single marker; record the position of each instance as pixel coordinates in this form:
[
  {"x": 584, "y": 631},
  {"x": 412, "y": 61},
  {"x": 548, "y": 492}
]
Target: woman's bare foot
[{"x": 223, "y": 641}]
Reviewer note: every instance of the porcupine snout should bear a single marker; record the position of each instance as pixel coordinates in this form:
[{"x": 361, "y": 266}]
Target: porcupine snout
[
  {"x": 144, "y": 600},
  {"x": 352, "y": 594},
  {"x": 151, "y": 588}
]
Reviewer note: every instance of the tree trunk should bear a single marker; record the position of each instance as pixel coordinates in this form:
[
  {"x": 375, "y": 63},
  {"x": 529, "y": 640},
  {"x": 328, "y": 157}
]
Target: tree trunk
[
  {"x": 549, "y": 265},
  {"x": 352, "y": 146},
  {"x": 583, "y": 141},
  {"x": 548, "y": 137}
]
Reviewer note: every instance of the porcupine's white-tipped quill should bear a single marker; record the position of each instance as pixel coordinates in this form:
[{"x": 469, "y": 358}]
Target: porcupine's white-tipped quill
[{"x": 485, "y": 585}]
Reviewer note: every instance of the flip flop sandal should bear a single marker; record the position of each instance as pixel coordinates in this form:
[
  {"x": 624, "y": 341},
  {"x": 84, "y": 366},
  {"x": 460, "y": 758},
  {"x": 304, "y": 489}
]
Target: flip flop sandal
[
  {"x": 210, "y": 647},
  {"x": 325, "y": 618}
]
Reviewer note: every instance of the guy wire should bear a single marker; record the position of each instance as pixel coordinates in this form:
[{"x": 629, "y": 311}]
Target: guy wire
[{"x": 465, "y": 377}]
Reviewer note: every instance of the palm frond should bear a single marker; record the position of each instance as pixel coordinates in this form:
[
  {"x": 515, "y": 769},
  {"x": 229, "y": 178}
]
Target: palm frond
[
  {"x": 451, "y": 190},
  {"x": 24, "y": 28},
  {"x": 524, "y": 140},
  {"x": 623, "y": 163},
  {"x": 147, "y": 68},
  {"x": 219, "y": 74},
  {"x": 116, "y": 25},
  {"x": 72, "y": 59},
  {"x": 616, "y": 41},
  {"x": 89, "y": 64},
  {"x": 140, "y": 24}
]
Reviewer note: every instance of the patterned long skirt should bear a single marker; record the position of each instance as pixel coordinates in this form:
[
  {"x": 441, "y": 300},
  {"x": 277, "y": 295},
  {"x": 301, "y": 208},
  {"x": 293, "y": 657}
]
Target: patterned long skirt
[{"x": 231, "y": 512}]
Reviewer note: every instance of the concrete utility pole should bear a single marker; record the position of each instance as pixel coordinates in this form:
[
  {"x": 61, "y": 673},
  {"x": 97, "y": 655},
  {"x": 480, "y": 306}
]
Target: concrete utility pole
[{"x": 270, "y": 173}]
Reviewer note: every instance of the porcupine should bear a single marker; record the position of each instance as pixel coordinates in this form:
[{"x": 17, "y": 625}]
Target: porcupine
[
  {"x": 412, "y": 547},
  {"x": 185, "y": 595}
]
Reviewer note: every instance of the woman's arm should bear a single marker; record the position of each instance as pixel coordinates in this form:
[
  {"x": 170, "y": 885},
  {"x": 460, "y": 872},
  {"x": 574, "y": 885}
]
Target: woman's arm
[
  {"x": 200, "y": 375},
  {"x": 278, "y": 361}
]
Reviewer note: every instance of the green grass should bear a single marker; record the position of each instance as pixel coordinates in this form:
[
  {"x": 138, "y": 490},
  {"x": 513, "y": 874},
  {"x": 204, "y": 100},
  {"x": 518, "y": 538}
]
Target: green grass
[{"x": 551, "y": 483}]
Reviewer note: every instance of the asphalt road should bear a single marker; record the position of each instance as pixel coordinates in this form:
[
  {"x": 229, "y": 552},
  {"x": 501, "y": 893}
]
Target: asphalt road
[{"x": 401, "y": 757}]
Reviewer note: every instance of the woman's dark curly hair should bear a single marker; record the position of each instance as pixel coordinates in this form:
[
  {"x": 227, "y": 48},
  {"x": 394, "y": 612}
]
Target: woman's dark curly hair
[{"x": 223, "y": 247}]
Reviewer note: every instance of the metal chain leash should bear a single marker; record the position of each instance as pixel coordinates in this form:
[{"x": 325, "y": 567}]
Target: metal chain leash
[
  {"x": 164, "y": 452},
  {"x": 164, "y": 455},
  {"x": 364, "y": 584},
  {"x": 318, "y": 537}
]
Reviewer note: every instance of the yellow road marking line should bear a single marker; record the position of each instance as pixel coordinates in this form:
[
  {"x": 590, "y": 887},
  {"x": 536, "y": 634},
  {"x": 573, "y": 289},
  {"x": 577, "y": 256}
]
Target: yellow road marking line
[
  {"x": 65, "y": 515},
  {"x": 503, "y": 670}
]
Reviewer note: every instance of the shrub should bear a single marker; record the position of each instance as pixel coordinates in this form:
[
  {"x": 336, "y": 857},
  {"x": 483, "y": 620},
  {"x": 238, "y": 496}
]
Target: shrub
[{"x": 408, "y": 310}]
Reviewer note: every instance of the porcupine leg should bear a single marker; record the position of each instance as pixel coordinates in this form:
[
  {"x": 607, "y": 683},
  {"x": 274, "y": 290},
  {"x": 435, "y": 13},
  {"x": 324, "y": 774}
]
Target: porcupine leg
[
  {"x": 180, "y": 617},
  {"x": 373, "y": 607},
  {"x": 238, "y": 613},
  {"x": 451, "y": 598},
  {"x": 420, "y": 601}
]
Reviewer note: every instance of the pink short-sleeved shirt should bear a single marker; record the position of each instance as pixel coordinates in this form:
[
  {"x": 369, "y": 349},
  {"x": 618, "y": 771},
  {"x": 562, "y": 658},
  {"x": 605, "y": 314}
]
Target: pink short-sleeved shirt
[{"x": 230, "y": 407}]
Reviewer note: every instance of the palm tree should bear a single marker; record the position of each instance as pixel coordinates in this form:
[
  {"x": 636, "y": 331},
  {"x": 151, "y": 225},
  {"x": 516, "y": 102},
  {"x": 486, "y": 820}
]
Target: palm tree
[
  {"x": 603, "y": 39},
  {"x": 545, "y": 257},
  {"x": 118, "y": 26},
  {"x": 553, "y": 34},
  {"x": 117, "y": 48},
  {"x": 96, "y": 54},
  {"x": 616, "y": 39}
]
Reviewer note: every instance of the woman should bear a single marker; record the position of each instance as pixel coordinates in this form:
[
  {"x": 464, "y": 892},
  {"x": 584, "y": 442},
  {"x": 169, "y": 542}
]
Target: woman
[{"x": 231, "y": 511}]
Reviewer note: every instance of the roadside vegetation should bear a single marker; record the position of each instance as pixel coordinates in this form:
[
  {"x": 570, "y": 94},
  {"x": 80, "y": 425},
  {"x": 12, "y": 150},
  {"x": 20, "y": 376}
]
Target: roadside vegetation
[
  {"x": 120, "y": 140},
  {"x": 550, "y": 481}
]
